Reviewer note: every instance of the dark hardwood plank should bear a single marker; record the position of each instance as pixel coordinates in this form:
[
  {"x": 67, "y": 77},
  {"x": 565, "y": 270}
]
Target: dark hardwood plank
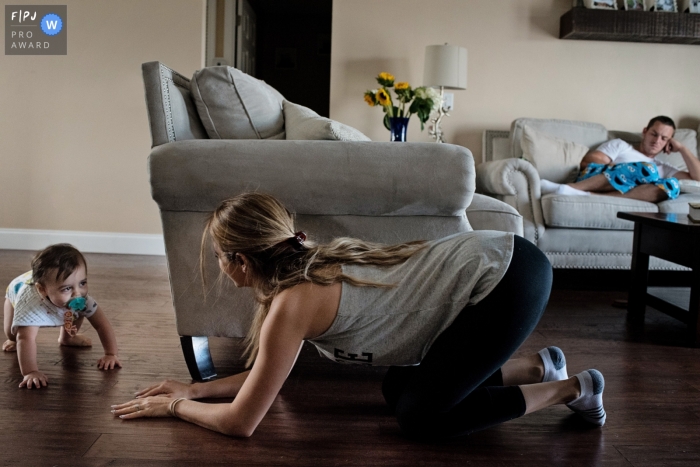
[{"x": 330, "y": 414}]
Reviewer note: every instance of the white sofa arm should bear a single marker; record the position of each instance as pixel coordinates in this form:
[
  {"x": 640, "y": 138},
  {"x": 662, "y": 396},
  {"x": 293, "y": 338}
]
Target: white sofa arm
[{"x": 516, "y": 182}]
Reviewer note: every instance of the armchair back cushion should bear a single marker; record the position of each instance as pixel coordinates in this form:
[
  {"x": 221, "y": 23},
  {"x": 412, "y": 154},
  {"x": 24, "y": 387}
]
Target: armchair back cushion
[
  {"x": 234, "y": 105},
  {"x": 172, "y": 113},
  {"x": 302, "y": 123}
]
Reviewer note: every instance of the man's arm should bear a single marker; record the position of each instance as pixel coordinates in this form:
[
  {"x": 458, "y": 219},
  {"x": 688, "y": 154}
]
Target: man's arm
[
  {"x": 690, "y": 160},
  {"x": 596, "y": 157}
]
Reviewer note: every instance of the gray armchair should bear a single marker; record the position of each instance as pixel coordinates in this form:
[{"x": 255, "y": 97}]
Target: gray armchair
[{"x": 384, "y": 192}]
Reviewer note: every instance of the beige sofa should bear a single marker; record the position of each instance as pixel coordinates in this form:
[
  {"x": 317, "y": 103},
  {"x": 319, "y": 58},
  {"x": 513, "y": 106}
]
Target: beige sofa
[{"x": 575, "y": 232}]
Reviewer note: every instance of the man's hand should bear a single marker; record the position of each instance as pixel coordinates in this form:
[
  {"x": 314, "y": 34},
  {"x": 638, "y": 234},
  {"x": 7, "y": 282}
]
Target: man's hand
[
  {"x": 109, "y": 362},
  {"x": 170, "y": 388},
  {"x": 35, "y": 378},
  {"x": 673, "y": 146}
]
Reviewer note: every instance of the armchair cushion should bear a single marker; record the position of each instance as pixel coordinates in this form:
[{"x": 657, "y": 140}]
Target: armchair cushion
[
  {"x": 591, "y": 212},
  {"x": 555, "y": 159},
  {"x": 234, "y": 105},
  {"x": 302, "y": 123},
  {"x": 485, "y": 213}
]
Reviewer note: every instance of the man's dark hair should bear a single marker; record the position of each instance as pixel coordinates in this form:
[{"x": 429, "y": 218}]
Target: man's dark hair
[
  {"x": 663, "y": 119},
  {"x": 62, "y": 257}
]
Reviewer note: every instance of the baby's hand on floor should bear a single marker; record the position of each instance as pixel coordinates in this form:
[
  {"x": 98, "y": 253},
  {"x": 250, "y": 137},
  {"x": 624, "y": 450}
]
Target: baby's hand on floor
[
  {"x": 109, "y": 362},
  {"x": 36, "y": 378},
  {"x": 9, "y": 346}
]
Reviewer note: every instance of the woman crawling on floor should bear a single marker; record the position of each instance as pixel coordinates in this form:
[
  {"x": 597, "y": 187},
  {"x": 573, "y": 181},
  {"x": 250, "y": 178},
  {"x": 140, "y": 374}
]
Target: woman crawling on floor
[{"x": 445, "y": 316}]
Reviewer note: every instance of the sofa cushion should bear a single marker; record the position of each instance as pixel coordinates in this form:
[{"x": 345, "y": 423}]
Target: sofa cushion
[
  {"x": 555, "y": 159},
  {"x": 234, "y": 105},
  {"x": 584, "y": 133},
  {"x": 680, "y": 204},
  {"x": 688, "y": 138},
  {"x": 302, "y": 123},
  {"x": 689, "y": 186},
  {"x": 591, "y": 212}
]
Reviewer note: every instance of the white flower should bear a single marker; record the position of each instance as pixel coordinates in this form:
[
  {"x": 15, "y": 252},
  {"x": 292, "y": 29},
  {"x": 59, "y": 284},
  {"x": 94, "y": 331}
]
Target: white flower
[{"x": 429, "y": 93}]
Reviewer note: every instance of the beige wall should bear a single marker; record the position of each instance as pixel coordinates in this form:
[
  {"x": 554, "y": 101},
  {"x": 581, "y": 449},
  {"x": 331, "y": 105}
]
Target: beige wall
[
  {"x": 517, "y": 67},
  {"x": 74, "y": 134}
]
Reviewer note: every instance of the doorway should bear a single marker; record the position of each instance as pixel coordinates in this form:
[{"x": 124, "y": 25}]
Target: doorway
[{"x": 285, "y": 43}]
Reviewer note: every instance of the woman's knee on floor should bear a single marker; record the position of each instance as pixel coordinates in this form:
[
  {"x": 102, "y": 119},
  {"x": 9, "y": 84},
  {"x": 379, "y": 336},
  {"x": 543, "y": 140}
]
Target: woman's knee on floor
[{"x": 416, "y": 423}]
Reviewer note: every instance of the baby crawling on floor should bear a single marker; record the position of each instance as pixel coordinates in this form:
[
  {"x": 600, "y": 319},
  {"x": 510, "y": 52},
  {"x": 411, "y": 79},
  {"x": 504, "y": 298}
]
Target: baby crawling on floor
[{"x": 54, "y": 293}]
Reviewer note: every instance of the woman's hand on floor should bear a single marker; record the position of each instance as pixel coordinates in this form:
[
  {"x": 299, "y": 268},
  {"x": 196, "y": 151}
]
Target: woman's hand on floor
[
  {"x": 170, "y": 388},
  {"x": 158, "y": 406}
]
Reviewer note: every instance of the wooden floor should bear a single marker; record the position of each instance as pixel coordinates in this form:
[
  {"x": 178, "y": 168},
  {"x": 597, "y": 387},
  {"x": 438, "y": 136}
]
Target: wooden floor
[{"x": 329, "y": 414}]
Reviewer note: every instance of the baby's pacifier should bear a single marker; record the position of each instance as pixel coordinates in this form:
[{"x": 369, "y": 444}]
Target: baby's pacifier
[{"x": 77, "y": 303}]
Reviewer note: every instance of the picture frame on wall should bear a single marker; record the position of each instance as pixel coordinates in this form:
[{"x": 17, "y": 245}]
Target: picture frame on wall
[
  {"x": 664, "y": 6},
  {"x": 601, "y": 4},
  {"x": 638, "y": 5},
  {"x": 690, "y": 6}
]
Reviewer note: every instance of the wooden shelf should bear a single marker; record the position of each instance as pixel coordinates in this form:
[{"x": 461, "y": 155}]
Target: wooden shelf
[{"x": 630, "y": 26}]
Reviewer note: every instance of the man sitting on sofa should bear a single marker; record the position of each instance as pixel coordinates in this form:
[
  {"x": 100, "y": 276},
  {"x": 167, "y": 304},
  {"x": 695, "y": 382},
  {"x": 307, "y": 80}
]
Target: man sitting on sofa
[{"x": 617, "y": 168}]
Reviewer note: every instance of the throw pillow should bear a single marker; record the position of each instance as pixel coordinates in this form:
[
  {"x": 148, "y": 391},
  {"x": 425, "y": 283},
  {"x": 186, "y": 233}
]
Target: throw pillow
[
  {"x": 302, "y": 123},
  {"x": 555, "y": 159},
  {"x": 234, "y": 105}
]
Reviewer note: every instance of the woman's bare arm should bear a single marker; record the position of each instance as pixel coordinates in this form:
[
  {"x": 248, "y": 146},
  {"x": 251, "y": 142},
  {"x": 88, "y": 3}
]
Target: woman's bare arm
[{"x": 281, "y": 338}]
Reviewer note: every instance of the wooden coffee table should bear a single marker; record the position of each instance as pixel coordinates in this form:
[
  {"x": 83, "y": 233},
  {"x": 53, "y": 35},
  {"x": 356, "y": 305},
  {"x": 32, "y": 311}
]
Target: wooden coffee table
[{"x": 672, "y": 237}]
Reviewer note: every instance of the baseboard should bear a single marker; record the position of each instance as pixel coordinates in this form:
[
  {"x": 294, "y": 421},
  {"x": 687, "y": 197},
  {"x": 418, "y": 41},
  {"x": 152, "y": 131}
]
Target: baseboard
[{"x": 87, "y": 242}]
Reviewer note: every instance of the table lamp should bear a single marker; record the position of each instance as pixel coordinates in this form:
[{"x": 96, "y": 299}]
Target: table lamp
[{"x": 445, "y": 67}]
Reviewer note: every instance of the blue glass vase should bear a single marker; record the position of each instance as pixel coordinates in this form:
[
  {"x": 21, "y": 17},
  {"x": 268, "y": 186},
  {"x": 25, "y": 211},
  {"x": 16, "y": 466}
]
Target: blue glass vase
[{"x": 398, "y": 126}]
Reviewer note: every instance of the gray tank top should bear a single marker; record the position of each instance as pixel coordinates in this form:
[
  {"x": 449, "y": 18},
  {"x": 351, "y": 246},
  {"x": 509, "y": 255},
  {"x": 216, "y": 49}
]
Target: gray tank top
[{"x": 397, "y": 325}]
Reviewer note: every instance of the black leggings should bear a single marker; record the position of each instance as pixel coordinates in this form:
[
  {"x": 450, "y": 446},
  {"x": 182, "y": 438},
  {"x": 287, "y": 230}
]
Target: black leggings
[{"x": 458, "y": 387}]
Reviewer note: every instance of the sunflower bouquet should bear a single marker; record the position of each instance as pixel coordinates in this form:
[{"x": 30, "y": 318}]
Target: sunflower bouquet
[{"x": 408, "y": 101}]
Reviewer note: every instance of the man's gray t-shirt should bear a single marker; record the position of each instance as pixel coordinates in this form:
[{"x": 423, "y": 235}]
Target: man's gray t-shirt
[{"x": 385, "y": 326}]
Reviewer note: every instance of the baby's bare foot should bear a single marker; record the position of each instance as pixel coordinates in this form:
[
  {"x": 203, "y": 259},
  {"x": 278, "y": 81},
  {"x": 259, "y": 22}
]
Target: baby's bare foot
[
  {"x": 9, "y": 346},
  {"x": 79, "y": 340}
]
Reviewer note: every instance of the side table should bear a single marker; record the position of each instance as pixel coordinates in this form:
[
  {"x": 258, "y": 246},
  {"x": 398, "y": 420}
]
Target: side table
[{"x": 672, "y": 237}]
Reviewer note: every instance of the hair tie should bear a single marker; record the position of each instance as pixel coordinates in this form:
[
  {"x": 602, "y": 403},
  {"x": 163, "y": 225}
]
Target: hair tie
[{"x": 297, "y": 241}]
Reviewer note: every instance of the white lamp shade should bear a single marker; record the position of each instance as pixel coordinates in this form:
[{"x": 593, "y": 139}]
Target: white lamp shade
[{"x": 446, "y": 66}]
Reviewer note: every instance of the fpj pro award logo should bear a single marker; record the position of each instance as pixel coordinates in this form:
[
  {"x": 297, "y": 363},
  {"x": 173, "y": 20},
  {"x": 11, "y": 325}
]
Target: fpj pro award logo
[{"x": 36, "y": 29}]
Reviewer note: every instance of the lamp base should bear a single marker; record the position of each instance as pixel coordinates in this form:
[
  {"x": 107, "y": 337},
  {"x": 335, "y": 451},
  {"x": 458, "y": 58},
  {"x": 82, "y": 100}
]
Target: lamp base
[{"x": 435, "y": 131}]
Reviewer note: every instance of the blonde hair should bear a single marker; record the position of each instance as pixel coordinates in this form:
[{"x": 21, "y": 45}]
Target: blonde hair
[{"x": 258, "y": 226}]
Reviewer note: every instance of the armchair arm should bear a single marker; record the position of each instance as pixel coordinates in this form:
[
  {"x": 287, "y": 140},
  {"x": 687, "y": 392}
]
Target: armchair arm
[
  {"x": 516, "y": 182},
  {"x": 316, "y": 177},
  {"x": 486, "y": 213}
]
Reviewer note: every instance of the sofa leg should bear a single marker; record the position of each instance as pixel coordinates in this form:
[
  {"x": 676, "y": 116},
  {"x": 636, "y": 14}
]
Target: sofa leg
[{"x": 197, "y": 357}]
